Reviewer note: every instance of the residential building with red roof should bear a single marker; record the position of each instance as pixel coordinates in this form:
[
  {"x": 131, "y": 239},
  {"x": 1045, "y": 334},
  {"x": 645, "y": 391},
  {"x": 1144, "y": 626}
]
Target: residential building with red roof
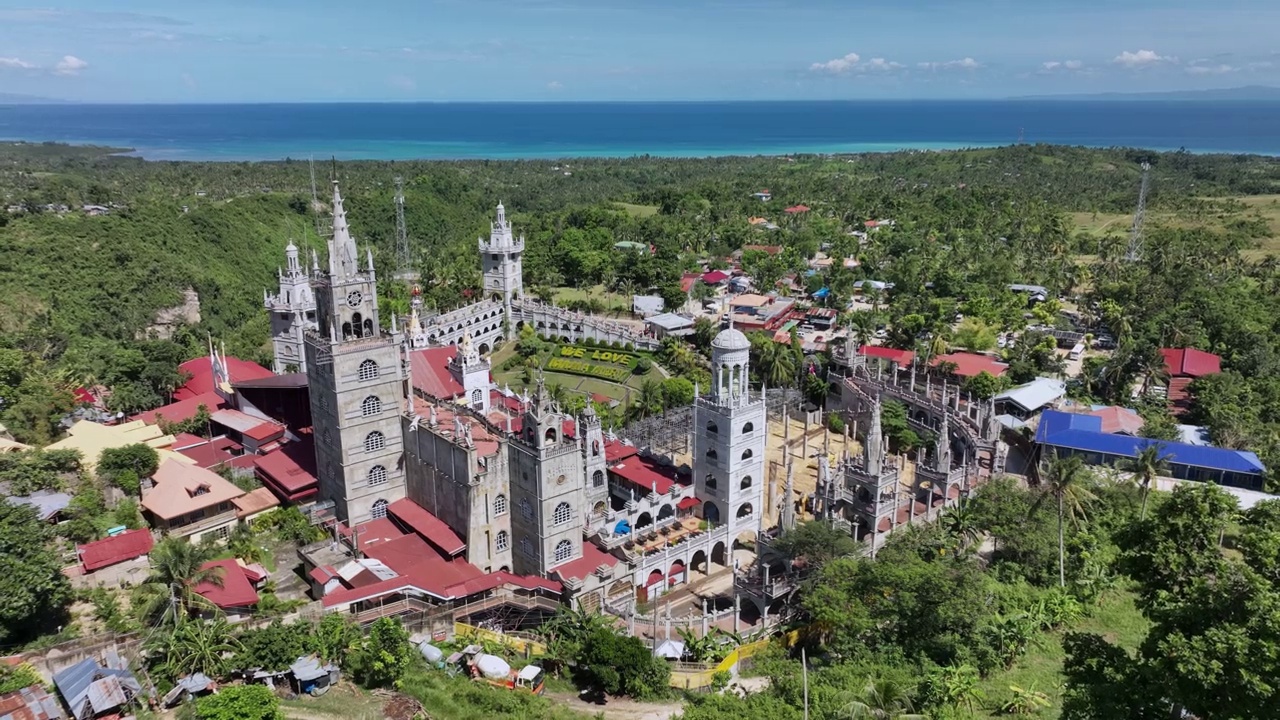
[
  {"x": 290, "y": 471},
  {"x": 128, "y": 545},
  {"x": 201, "y": 374},
  {"x": 191, "y": 502},
  {"x": 1184, "y": 366},
  {"x": 901, "y": 358},
  {"x": 715, "y": 277},
  {"x": 231, "y": 590}
]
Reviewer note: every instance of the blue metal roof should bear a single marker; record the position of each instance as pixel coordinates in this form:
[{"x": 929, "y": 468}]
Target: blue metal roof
[{"x": 1084, "y": 432}]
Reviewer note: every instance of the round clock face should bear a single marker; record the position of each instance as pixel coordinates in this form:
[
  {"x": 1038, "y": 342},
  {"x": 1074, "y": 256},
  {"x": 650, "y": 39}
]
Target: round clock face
[{"x": 353, "y": 298}]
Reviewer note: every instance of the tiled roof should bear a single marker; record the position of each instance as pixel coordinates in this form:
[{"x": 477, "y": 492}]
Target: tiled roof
[
  {"x": 235, "y": 589},
  {"x": 431, "y": 372},
  {"x": 1190, "y": 362},
  {"x": 109, "y": 551},
  {"x": 182, "y": 489},
  {"x": 971, "y": 364},
  {"x": 431, "y": 528}
]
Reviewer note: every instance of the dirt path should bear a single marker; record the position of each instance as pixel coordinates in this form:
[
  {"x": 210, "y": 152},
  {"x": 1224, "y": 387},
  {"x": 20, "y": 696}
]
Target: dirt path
[{"x": 620, "y": 708}]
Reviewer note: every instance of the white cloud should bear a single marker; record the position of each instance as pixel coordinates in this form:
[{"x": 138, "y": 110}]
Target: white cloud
[
  {"x": 16, "y": 63},
  {"x": 1220, "y": 69},
  {"x": 967, "y": 63},
  {"x": 838, "y": 65},
  {"x": 880, "y": 64},
  {"x": 555, "y": 85},
  {"x": 1142, "y": 58},
  {"x": 153, "y": 35},
  {"x": 1050, "y": 66},
  {"x": 69, "y": 65}
]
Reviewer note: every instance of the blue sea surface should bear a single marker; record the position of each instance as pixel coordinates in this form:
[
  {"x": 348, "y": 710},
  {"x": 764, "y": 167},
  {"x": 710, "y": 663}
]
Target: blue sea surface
[{"x": 402, "y": 131}]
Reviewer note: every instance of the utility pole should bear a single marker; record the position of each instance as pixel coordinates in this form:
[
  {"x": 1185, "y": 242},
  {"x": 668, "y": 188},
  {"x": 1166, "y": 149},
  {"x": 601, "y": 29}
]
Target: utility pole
[
  {"x": 804, "y": 671},
  {"x": 404, "y": 270},
  {"x": 1135, "y": 232}
]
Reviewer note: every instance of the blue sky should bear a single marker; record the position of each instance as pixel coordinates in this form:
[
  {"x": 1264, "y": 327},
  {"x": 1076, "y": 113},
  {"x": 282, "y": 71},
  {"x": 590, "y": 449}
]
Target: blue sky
[{"x": 320, "y": 50}]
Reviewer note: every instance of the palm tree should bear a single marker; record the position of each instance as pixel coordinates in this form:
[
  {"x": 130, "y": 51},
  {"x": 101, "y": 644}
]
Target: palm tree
[
  {"x": 648, "y": 400},
  {"x": 176, "y": 568},
  {"x": 881, "y": 699},
  {"x": 1064, "y": 480},
  {"x": 243, "y": 543},
  {"x": 961, "y": 523},
  {"x": 1146, "y": 466},
  {"x": 955, "y": 686},
  {"x": 197, "y": 646}
]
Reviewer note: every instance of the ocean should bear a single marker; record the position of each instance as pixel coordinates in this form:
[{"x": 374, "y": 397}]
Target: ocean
[{"x": 401, "y": 131}]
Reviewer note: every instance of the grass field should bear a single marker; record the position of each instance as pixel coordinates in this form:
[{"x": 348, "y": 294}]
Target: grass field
[
  {"x": 614, "y": 302},
  {"x": 573, "y": 383},
  {"x": 1115, "y": 619},
  {"x": 638, "y": 210},
  {"x": 1264, "y": 207}
]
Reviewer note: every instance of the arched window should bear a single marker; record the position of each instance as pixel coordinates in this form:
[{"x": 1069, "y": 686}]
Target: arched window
[
  {"x": 746, "y": 454},
  {"x": 562, "y": 514},
  {"x": 525, "y": 546},
  {"x": 564, "y": 551},
  {"x": 748, "y": 428},
  {"x": 712, "y": 429},
  {"x": 377, "y": 475},
  {"x": 477, "y": 397},
  {"x": 710, "y": 481},
  {"x": 356, "y": 325},
  {"x": 746, "y": 483},
  {"x": 370, "y": 406},
  {"x": 368, "y": 370},
  {"x": 712, "y": 455},
  {"x": 368, "y": 327},
  {"x": 597, "y": 478},
  {"x": 500, "y": 505},
  {"x": 374, "y": 441},
  {"x": 501, "y": 541},
  {"x": 379, "y": 510},
  {"x": 526, "y": 509},
  {"x": 595, "y": 448},
  {"x": 551, "y": 435}
]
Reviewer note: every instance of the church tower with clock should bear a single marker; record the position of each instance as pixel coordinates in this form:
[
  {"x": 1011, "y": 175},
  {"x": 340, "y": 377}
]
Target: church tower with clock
[{"x": 356, "y": 381}]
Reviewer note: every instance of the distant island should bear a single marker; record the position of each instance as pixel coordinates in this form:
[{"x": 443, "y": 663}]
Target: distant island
[
  {"x": 1249, "y": 93},
  {"x": 16, "y": 99}
]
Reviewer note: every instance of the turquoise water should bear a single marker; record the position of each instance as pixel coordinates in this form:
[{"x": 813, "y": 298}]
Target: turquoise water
[{"x": 555, "y": 130}]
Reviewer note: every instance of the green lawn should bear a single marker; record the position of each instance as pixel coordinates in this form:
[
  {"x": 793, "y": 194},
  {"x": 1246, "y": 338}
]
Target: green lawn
[
  {"x": 614, "y": 303},
  {"x": 1115, "y": 618},
  {"x": 638, "y": 210},
  {"x": 574, "y": 383}
]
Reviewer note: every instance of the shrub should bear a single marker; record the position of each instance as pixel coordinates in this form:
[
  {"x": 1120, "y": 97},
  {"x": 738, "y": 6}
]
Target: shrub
[{"x": 642, "y": 366}]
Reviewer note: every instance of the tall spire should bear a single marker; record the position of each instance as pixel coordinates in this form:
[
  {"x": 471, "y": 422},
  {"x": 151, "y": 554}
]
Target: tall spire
[
  {"x": 342, "y": 247},
  {"x": 787, "y": 513},
  {"x": 873, "y": 450},
  {"x": 942, "y": 448}
]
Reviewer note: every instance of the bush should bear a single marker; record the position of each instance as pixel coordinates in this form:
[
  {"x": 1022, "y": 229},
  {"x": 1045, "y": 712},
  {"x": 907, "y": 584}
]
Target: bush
[
  {"x": 642, "y": 366},
  {"x": 835, "y": 423},
  {"x": 383, "y": 657},
  {"x": 115, "y": 463},
  {"x": 622, "y": 665},
  {"x": 240, "y": 702}
]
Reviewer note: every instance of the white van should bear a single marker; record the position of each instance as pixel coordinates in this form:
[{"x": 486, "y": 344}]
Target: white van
[{"x": 1076, "y": 351}]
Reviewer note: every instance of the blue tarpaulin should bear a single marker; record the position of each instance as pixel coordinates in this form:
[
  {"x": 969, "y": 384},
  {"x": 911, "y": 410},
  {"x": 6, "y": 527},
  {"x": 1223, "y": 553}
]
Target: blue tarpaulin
[
  {"x": 822, "y": 293},
  {"x": 622, "y": 528}
]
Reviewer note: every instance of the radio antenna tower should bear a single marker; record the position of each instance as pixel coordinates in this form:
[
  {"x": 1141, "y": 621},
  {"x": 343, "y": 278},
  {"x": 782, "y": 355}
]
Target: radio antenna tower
[
  {"x": 404, "y": 271},
  {"x": 1135, "y": 232},
  {"x": 317, "y": 216}
]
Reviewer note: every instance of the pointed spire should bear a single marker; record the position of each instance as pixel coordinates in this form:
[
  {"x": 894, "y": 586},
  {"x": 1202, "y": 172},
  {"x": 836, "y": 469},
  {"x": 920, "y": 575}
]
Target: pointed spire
[
  {"x": 942, "y": 447},
  {"x": 315, "y": 261},
  {"x": 873, "y": 452},
  {"x": 368, "y": 255},
  {"x": 787, "y": 513},
  {"x": 342, "y": 247}
]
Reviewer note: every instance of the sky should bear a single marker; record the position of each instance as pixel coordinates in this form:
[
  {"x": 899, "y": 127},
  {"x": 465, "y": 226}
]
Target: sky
[{"x": 223, "y": 51}]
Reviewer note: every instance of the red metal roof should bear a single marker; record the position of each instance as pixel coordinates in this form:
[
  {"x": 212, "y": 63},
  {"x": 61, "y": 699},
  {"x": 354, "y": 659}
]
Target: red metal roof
[
  {"x": 127, "y": 545},
  {"x": 207, "y": 456},
  {"x": 1190, "y": 362},
  {"x": 1119, "y": 420},
  {"x": 431, "y": 528},
  {"x": 687, "y": 282},
  {"x": 902, "y": 357},
  {"x": 29, "y": 703},
  {"x": 714, "y": 277},
  {"x": 688, "y": 503},
  {"x": 83, "y": 395},
  {"x": 971, "y": 365},
  {"x": 183, "y": 409},
  {"x": 186, "y": 440},
  {"x": 615, "y": 450},
  {"x": 797, "y": 209},
  {"x": 431, "y": 372},
  {"x": 290, "y": 471},
  {"x": 646, "y": 475},
  {"x": 201, "y": 371},
  {"x": 234, "y": 592},
  {"x": 592, "y": 558}
]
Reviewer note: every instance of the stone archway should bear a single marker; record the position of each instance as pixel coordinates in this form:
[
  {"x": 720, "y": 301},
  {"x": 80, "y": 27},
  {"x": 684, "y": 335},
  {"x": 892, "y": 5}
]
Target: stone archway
[
  {"x": 665, "y": 512},
  {"x": 711, "y": 512},
  {"x": 645, "y": 520},
  {"x": 744, "y": 511},
  {"x": 719, "y": 554},
  {"x": 698, "y": 563}
]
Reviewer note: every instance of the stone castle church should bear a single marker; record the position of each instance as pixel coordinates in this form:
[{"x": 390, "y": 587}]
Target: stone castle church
[{"x": 410, "y": 411}]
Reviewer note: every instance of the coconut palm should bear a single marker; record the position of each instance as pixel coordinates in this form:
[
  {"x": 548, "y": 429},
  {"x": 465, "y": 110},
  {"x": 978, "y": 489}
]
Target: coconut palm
[
  {"x": 1149, "y": 464},
  {"x": 961, "y": 523},
  {"x": 1064, "y": 479},
  {"x": 243, "y": 543},
  {"x": 176, "y": 568},
  {"x": 197, "y": 646},
  {"x": 881, "y": 699}
]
